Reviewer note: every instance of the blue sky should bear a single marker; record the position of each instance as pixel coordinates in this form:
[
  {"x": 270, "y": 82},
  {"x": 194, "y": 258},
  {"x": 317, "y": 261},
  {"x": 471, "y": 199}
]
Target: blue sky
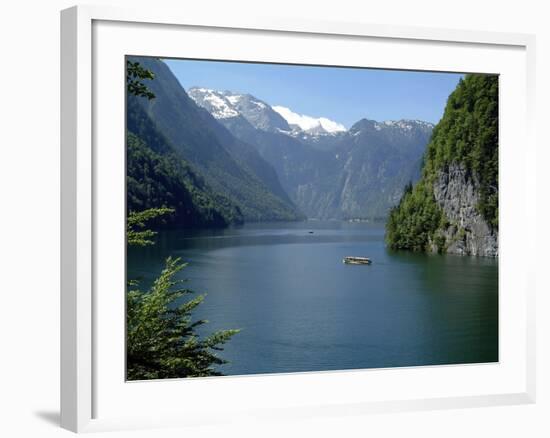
[{"x": 344, "y": 95}]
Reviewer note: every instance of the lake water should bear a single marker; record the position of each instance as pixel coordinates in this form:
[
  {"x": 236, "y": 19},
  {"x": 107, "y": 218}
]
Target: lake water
[{"x": 301, "y": 309}]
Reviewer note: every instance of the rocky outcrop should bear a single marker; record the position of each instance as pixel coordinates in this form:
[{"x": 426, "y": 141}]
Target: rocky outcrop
[{"x": 467, "y": 232}]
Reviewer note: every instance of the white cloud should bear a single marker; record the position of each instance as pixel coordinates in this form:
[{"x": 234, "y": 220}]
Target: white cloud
[
  {"x": 331, "y": 125},
  {"x": 307, "y": 123}
]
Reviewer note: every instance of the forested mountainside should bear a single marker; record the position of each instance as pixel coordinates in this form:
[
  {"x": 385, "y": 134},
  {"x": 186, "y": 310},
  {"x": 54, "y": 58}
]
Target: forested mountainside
[
  {"x": 158, "y": 177},
  {"x": 155, "y": 180},
  {"x": 329, "y": 173},
  {"x": 231, "y": 168},
  {"x": 454, "y": 206}
]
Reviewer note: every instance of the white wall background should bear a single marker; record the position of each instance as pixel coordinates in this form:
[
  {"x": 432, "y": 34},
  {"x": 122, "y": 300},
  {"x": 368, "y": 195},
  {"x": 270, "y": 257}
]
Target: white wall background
[{"x": 29, "y": 216}]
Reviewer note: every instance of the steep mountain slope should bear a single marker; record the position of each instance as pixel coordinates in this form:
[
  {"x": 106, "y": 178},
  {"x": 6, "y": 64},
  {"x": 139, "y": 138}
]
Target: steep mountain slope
[
  {"x": 155, "y": 180},
  {"x": 328, "y": 172},
  {"x": 454, "y": 206},
  {"x": 229, "y": 166},
  {"x": 377, "y": 160},
  {"x": 307, "y": 174},
  {"x": 360, "y": 174},
  {"x": 156, "y": 176}
]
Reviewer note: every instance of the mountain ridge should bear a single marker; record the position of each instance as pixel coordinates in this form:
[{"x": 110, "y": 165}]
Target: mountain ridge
[
  {"x": 345, "y": 174},
  {"x": 229, "y": 166}
]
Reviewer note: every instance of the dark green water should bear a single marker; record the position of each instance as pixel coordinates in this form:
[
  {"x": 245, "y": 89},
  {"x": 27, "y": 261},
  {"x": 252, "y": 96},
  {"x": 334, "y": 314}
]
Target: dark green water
[{"x": 301, "y": 309}]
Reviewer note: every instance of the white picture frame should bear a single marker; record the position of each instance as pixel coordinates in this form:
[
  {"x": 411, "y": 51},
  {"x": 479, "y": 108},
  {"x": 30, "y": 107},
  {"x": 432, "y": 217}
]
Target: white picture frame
[{"x": 92, "y": 390}]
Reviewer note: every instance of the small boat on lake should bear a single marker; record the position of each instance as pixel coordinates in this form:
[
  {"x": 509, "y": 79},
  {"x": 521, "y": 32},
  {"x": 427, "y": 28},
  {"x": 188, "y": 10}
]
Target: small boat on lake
[{"x": 350, "y": 260}]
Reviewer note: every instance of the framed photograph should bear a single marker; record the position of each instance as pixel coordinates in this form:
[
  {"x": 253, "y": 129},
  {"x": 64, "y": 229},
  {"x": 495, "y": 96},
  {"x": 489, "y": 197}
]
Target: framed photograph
[{"x": 266, "y": 218}]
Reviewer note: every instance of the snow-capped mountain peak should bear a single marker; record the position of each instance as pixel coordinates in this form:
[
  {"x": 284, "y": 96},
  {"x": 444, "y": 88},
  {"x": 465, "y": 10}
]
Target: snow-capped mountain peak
[
  {"x": 309, "y": 124},
  {"x": 228, "y": 104},
  {"x": 214, "y": 101}
]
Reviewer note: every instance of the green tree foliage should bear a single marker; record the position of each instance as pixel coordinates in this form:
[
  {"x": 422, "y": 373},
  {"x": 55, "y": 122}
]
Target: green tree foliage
[
  {"x": 155, "y": 180},
  {"x": 162, "y": 341},
  {"x": 135, "y": 73},
  {"x": 161, "y": 336},
  {"x": 466, "y": 135},
  {"x": 412, "y": 224},
  {"x": 136, "y": 233}
]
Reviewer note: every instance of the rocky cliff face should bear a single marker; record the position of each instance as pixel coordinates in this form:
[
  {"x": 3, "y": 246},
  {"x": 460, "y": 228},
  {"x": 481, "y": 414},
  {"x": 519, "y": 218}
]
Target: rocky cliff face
[
  {"x": 467, "y": 233},
  {"x": 453, "y": 208}
]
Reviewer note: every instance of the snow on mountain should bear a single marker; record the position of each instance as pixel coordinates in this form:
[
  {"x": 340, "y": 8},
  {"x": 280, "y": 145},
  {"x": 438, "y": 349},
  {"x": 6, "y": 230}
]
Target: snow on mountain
[
  {"x": 234, "y": 108},
  {"x": 227, "y": 105},
  {"x": 407, "y": 124},
  {"x": 403, "y": 125},
  {"x": 309, "y": 124},
  {"x": 219, "y": 106},
  {"x": 233, "y": 98}
]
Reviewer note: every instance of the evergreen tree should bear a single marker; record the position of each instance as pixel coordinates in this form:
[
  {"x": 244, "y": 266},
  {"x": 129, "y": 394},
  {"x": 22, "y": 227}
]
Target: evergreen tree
[
  {"x": 136, "y": 233},
  {"x": 161, "y": 337}
]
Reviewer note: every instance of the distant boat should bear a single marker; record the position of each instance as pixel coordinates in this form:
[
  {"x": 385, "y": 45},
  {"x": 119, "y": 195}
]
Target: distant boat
[
  {"x": 356, "y": 260},
  {"x": 310, "y": 232}
]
